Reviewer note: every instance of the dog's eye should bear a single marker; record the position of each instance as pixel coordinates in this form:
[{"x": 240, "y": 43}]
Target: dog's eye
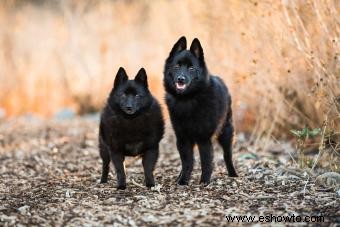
[
  {"x": 137, "y": 96},
  {"x": 191, "y": 68},
  {"x": 123, "y": 95},
  {"x": 176, "y": 66}
]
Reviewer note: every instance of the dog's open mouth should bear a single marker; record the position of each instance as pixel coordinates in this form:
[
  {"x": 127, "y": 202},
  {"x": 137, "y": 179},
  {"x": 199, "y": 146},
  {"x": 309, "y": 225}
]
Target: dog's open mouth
[
  {"x": 129, "y": 112},
  {"x": 180, "y": 86}
]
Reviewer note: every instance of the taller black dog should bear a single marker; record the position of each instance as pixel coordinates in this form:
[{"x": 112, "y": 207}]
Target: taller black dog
[
  {"x": 131, "y": 124},
  {"x": 200, "y": 106}
]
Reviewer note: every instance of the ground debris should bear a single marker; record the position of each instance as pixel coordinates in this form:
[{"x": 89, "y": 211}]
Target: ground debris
[
  {"x": 330, "y": 179},
  {"x": 49, "y": 176}
]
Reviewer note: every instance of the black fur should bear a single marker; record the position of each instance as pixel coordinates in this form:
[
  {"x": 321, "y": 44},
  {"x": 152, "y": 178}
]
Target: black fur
[
  {"x": 199, "y": 105},
  {"x": 131, "y": 124}
]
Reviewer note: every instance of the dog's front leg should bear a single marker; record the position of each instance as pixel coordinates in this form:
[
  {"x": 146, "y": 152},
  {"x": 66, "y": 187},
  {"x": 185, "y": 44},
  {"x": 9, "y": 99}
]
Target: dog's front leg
[
  {"x": 185, "y": 148},
  {"x": 206, "y": 155},
  {"x": 118, "y": 162},
  {"x": 149, "y": 162}
]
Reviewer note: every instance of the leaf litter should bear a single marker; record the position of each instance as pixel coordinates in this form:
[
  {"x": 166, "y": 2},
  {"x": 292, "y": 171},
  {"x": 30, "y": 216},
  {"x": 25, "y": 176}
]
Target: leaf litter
[{"x": 50, "y": 172}]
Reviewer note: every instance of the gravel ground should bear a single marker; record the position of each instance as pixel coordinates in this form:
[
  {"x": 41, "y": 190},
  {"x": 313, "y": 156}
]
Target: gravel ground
[{"x": 49, "y": 172}]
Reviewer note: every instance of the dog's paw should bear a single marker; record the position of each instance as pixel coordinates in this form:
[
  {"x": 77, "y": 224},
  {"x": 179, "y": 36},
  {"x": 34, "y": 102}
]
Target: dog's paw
[
  {"x": 150, "y": 185},
  {"x": 182, "y": 181},
  {"x": 205, "y": 182},
  {"x": 233, "y": 174},
  {"x": 121, "y": 187},
  {"x": 149, "y": 182}
]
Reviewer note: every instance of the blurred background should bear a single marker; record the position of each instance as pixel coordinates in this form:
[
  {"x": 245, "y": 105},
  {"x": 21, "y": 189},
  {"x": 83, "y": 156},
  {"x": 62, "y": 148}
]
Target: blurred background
[{"x": 280, "y": 59}]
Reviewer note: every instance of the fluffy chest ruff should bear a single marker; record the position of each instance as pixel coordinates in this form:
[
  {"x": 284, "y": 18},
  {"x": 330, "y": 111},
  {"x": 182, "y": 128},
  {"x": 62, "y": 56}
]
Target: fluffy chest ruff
[{"x": 133, "y": 149}]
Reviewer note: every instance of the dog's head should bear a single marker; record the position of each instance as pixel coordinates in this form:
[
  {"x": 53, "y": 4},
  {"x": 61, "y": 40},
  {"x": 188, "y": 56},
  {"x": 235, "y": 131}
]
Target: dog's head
[
  {"x": 185, "y": 70},
  {"x": 131, "y": 96}
]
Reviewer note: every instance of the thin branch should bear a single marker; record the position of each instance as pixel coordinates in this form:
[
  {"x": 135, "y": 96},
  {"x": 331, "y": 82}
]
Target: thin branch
[
  {"x": 137, "y": 184},
  {"x": 284, "y": 149},
  {"x": 321, "y": 148}
]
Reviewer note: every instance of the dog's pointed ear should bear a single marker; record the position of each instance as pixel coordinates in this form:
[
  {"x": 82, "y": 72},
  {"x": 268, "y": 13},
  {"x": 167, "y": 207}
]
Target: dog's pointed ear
[
  {"x": 197, "y": 49},
  {"x": 142, "y": 78},
  {"x": 180, "y": 45},
  {"x": 121, "y": 77}
]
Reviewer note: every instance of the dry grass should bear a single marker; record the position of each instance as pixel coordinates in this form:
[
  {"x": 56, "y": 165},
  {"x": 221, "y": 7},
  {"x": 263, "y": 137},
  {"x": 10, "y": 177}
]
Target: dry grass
[{"x": 280, "y": 59}]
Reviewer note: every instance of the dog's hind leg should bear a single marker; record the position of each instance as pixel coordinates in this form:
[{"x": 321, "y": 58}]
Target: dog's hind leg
[
  {"x": 105, "y": 155},
  {"x": 225, "y": 138},
  {"x": 206, "y": 154},
  {"x": 185, "y": 148}
]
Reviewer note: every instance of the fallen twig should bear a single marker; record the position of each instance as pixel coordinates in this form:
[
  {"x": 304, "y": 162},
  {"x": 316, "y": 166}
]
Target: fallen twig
[{"x": 137, "y": 184}]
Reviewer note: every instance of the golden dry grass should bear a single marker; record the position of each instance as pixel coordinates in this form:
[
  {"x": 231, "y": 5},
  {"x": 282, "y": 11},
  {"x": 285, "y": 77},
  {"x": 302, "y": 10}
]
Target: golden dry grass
[{"x": 279, "y": 58}]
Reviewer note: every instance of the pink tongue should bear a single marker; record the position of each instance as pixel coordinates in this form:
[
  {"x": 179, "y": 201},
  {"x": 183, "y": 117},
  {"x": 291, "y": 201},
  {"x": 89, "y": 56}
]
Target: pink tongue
[{"x": 180, "y": 86}]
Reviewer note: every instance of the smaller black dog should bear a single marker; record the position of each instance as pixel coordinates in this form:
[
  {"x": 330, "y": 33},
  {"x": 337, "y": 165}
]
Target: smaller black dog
[{"x": 131, "y": 124}]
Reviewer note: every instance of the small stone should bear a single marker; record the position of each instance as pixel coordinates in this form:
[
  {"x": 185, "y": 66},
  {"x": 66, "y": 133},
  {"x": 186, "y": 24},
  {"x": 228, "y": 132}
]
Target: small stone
[
  {"x": 23, "y": 209},
  {"x": 156, "y": 188},
  {"x": 64, "y": 114},
  {"x": 68, "y": 194},
  {"x": 109, "y": 201},
  {"x": 330, "y": 179}
]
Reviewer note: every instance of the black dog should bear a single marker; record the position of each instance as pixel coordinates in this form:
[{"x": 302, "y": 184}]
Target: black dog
[
  {"x": 200, "y": 106},
  {"x": 131, "y": 124}
]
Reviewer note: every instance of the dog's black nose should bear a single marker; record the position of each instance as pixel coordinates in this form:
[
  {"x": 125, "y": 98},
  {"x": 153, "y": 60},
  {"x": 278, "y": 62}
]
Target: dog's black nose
[
  {"x": 129, "y": 108},
  {"x": 181, "y": 79}
]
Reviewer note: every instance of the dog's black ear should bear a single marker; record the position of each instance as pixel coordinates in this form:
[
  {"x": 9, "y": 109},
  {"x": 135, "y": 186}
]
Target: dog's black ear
[
  {"x": 121, "y": 77},
  {"x": 197, "y": 49},
  {"x": 141, "y": 77},
  {"x": 180, "y": 45}
]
